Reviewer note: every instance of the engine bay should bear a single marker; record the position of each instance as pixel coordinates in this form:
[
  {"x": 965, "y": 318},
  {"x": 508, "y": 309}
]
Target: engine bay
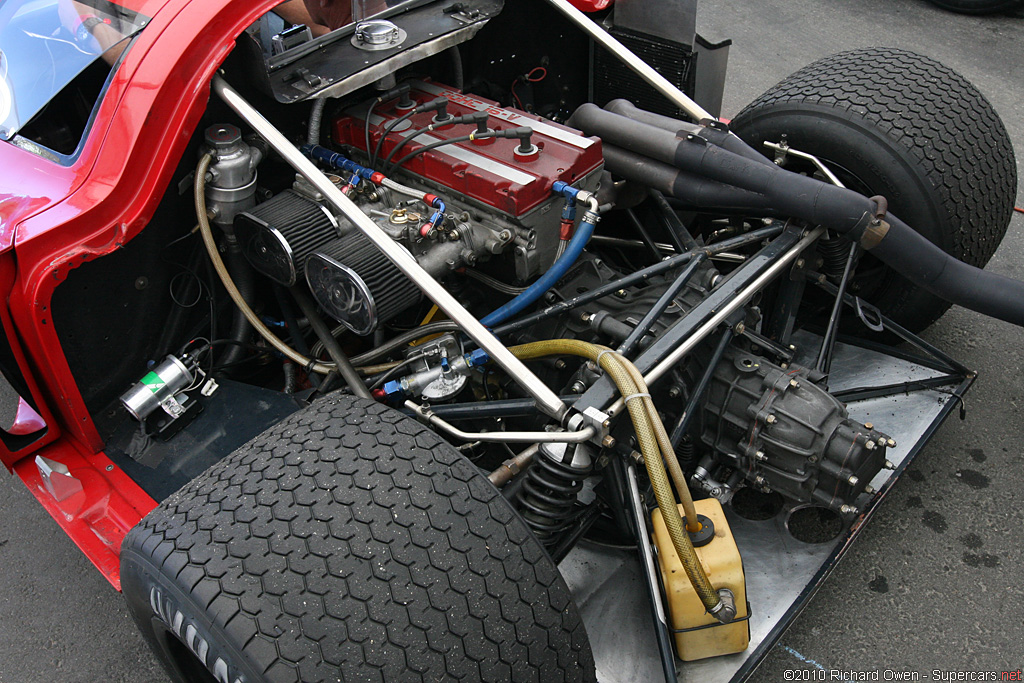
[{"x": 647, "y": 357}]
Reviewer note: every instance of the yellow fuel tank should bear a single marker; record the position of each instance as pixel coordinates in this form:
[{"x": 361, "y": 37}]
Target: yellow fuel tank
[{"x": 698, "y": 634}]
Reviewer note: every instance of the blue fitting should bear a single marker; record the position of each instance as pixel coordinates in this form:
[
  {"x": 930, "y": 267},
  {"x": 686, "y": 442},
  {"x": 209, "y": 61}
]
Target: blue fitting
[
  {"x": 393, "y": 389},
  {"x": 336, "y": 160},
  {"x": 569, "y": 210},
  {"x": 477, "y": 358},
  {"x": 565, "y": 189},
  {"x": 445, "y": 366}
]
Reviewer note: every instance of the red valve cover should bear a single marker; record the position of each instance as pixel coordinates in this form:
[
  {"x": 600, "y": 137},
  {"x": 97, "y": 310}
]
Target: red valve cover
[{"x": 486, "y": 170}]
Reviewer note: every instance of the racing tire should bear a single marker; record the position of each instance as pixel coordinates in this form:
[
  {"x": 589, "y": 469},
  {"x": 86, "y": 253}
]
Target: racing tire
[
  {"x": 894, "y": 123},
  {"x": 977, "y": 6},
  {"x": 349, "y": 542}
]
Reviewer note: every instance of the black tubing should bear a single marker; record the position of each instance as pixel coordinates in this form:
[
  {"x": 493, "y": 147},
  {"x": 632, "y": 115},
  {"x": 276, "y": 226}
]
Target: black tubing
[
  {"x": 241, "y": 329},
  {"x": 722, "y": 138},
  {"x": 687, "y": 187},
  {"x": 334, "y": 350},
  {"x": 816, "y": 202}
]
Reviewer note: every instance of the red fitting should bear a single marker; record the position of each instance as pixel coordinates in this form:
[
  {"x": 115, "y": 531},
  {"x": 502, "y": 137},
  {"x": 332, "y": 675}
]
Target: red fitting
[
  {"x": 565, "y": 231},
  {"x": 377, "y": 178},
  {"x": 429, "y": 199},
  {"x": 425, "y": 230},
  {"x": 379, "y": 393}
]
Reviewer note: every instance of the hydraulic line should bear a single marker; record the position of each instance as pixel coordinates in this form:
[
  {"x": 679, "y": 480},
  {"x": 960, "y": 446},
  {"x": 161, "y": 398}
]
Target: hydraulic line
[
  {"x": 229, "y": 285},
  {"x": 644, "y": 420}
]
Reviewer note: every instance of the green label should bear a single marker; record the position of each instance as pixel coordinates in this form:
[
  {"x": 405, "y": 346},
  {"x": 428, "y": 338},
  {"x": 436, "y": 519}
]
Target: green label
[{"x": 153, "y": 381}]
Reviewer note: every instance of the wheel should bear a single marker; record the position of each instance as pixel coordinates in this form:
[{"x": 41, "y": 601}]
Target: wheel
[
  {"x": 893, "y": 123},
  {"x": 976, "y": 6},
  {"x": 349, "y": 543}
]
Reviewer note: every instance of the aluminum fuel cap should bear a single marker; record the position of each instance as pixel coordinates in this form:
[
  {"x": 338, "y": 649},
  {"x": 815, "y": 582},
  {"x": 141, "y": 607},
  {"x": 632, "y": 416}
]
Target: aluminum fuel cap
[{"x": 377, "y": 34}]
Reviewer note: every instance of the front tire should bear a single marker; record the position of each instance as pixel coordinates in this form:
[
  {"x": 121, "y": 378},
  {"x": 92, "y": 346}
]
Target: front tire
[
  {"x": 893, "y": 123},
  {"x": 349, "y": 542}
]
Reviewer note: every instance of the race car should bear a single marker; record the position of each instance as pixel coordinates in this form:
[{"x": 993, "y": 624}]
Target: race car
[{"x": 425, "y": 340}]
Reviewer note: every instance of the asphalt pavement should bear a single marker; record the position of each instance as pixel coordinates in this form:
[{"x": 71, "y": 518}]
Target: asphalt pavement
[{"x": 935, "y": 582}]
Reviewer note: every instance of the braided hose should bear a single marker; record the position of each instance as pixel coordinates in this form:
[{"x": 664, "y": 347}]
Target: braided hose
[{"x": 644, "y": 418}]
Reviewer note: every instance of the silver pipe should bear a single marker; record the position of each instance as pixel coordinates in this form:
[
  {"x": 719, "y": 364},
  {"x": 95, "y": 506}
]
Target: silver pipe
[
  {"x": 581, "y": 436},
  {"x": 728, "y": 309},
  {"x": 547, "y": 400},
  {"x": 626, "y": 56}
]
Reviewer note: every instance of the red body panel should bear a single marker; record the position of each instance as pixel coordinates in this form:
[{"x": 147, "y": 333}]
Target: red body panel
[{"x": 57, "y": 217}]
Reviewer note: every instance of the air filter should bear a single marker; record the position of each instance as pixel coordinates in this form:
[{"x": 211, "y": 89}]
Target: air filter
[
  {"x": 357, "y": 285},
  {"x": 277, "y": 235}
]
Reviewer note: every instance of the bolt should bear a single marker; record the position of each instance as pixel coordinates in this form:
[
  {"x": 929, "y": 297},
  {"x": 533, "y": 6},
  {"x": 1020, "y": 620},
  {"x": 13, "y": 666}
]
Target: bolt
[
  {"x": 504, "y": 235},
  {"x": 852, "y": 480},
  {"x": 585, "y": 317},
  {"x": 869, "y": 489},
  {"x": 578, "y": 387},
  {"x": 848, "y": 510},
  {"x": 792, "y": 348},
  {"x": 675, "y": 392},
  {"x": 868, "y": 425},
  {"x": 740, "y": 328},
  {"x": 110, "y": 468},
  {"x": 637, "y": 456},
  {"x": 784, "y": 366},
  {"x": 891, "y": 443},
  {"x": 608, "y": 441},
  {"x": 715, "y": 492},
  {"x": 621, "y": 294},
  {"x": 761, "y": 456},
  {"x": 800, "y": 263},
  {"x": 889, "y": 465},
  {"x": 759, "y": 480},
  {"x": 560, "y": 364},
  {"x": 793, "y": 383},
  {"x": 870, "y": 445},
  {"x": 770, "y": 419}
]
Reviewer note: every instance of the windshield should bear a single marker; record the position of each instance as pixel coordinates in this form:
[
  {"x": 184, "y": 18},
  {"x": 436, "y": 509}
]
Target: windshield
[{"x": 45, "y": 44}]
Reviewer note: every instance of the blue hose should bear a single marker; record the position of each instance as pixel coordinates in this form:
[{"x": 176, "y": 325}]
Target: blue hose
[{"x": 546, "y": 281}]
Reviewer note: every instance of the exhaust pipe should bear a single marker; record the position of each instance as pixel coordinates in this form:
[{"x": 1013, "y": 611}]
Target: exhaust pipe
[{"x": 844, "y": 211}]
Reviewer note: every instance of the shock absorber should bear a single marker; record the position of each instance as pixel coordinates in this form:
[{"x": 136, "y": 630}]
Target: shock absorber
[
  {"x": 547, "y": 499},
  {"x": 834, "y": 251}
]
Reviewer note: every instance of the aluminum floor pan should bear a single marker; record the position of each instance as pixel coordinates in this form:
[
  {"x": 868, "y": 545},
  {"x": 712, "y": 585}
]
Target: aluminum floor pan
[{"x": 781, "y": 572}]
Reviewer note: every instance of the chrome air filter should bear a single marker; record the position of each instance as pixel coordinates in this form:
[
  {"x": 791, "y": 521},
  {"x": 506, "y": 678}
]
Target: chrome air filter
[
  {"x": 277, "y": 235},
  {"x": 357, "y": 285}
]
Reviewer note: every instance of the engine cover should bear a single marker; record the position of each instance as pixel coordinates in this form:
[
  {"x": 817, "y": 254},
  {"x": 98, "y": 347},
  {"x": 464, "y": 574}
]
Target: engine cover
[{"x": 486, "y": 170}]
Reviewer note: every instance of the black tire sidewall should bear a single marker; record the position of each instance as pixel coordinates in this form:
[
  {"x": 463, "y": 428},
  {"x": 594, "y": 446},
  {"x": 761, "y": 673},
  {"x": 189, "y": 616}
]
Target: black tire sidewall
[
  {"x": 143, "y": 586},
  {"x": 878, "y": 162}
]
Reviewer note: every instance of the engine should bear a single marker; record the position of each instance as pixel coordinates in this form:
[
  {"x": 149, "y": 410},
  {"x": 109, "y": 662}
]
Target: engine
[{"x": 467, "y": 182}]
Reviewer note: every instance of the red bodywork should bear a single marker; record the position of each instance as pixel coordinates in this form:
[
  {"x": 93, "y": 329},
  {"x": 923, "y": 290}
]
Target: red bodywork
[{"x": 55, "y": 217}]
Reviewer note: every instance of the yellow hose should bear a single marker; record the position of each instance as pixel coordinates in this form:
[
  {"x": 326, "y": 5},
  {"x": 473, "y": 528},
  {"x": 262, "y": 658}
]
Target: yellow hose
[
  {"x": 229, "y": 285},
  {"x": 643, "y": 420}
]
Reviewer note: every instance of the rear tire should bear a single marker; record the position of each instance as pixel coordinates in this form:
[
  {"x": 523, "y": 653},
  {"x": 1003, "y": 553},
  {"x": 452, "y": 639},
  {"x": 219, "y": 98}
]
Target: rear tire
[
  {"x": 893, "y": 123},
  {"x": 977, "y": 6},
  {"x": 349, "y": 542}
]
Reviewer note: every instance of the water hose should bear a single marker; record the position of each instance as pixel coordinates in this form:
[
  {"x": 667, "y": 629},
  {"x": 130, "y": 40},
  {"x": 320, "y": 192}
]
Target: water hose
[
  {"x": 555, "y": 273},
  {"x": 229, "y": 285},
  {"x": 644, "y": 418}
]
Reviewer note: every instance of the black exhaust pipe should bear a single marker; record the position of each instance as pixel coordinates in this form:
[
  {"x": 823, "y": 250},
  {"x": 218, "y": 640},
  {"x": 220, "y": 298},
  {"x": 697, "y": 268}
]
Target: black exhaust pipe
[{"x": 844, "y": 211}]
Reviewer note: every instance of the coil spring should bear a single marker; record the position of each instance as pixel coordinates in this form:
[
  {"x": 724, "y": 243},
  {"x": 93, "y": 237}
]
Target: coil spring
[
  {"x": 547, "y": 499},
  {"x": 834, "y": 251}
]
